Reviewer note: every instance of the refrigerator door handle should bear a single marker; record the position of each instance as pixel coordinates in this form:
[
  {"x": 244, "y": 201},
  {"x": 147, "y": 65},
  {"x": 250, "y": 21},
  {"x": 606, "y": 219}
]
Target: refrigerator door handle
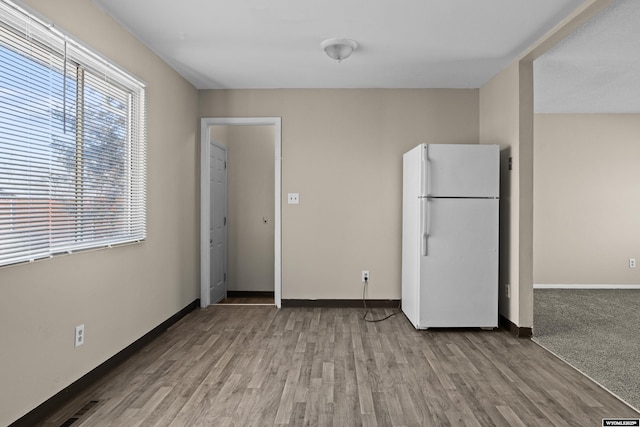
[
  {"x": 424, "y": 225},
  {"x": 425, "y": 238},
  {"x": 425, "y": 178}
]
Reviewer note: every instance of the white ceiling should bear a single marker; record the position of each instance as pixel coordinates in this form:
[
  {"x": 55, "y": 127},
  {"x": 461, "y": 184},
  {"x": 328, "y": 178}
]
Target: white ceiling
[
  {"x": 596, "y": 69},
  {"x": 276, "y": 43},
  {"x": 242, "y": 44}
]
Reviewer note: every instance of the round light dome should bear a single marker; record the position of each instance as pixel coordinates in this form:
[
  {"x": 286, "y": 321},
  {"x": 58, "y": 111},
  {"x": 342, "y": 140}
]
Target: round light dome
[{"x": 339, "y": 49}]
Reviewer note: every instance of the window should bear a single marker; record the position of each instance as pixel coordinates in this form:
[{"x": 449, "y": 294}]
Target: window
[{"x": 72, "y": 145}]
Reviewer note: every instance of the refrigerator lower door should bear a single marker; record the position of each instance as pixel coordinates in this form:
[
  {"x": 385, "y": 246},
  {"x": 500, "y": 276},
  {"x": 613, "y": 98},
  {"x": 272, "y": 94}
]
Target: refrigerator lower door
[{"x": 459, "y": 274}]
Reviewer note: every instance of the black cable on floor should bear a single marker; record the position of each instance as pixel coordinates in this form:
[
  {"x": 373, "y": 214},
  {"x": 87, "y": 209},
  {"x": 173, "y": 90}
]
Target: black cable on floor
[{"x": 364, "y": 303}]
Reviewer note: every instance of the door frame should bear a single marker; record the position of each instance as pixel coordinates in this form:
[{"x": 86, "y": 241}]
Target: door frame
[{"x": 205, "y": 140}]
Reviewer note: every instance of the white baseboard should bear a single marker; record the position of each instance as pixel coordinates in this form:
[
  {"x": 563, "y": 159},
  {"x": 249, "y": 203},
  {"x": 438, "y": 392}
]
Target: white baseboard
[{"x": 578, "y": 286}]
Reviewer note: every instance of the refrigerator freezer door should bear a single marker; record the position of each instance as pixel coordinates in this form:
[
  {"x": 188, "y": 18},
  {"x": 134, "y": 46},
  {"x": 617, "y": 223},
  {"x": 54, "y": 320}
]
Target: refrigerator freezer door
[
  {"x": 459, "y": 276},
  {"x": 461, "y": 170}
]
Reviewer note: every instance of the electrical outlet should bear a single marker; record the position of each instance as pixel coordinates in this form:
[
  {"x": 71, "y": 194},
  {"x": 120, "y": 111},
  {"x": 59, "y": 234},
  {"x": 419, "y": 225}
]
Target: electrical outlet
[
  {"x": 365, "y": 276},
  {"x": 632, "y": 263},
  {"x": 79, "y": 335},
  {"x": 507, "y": 290},
  {"x": 293, "y": 198}
]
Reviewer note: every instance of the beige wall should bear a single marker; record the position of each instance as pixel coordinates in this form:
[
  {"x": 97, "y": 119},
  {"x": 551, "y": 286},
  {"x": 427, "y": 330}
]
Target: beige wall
[
  {"x": 586, "y": 198},
  {"x": 342, "y": 151},
  {"x": 120, "y": 293},
  {"x": 250, "y": 184},
  {"x": 506, "y": 112}
]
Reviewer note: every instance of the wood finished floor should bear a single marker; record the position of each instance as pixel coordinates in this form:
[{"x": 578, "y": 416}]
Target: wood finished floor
[{"x": 260, "y": 366}]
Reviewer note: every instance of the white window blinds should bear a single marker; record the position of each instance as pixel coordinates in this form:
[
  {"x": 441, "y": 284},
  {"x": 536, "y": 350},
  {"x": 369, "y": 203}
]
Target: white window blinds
[{"x": 72, "y": 145}]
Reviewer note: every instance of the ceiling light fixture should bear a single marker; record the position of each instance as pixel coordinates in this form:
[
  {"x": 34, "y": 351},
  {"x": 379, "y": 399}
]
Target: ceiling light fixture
[{"x": 339, "y": 49}]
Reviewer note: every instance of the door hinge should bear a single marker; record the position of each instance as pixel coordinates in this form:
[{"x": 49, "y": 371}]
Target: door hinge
[
  {"x": 225, "y": 220},
  {"x": 225, "y": 164}
]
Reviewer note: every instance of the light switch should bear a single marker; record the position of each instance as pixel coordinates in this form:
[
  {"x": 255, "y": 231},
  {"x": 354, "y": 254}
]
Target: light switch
[{"x": 294, "y": 198}]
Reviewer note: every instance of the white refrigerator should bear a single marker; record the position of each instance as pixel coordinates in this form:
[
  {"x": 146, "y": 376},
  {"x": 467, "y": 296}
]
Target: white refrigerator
[{"x": 450, "y": 235}]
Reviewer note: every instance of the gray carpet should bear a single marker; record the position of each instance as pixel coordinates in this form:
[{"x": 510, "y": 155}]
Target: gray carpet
[{"x": 596, "y": 331}]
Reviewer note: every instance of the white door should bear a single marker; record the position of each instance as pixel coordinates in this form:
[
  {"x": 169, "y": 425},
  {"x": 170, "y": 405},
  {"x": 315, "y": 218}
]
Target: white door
[
  {"x": 459, "y": 263},
  {"x": 218, "y": 224}
]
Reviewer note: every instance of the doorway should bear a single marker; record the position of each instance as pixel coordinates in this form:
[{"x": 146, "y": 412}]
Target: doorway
[
  {"x": 207, "y": 124},
  {"x": 250, "y": 212}
]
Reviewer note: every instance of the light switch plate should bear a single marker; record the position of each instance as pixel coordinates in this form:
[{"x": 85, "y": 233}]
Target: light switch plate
[{"x": 293, "y": 198}]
